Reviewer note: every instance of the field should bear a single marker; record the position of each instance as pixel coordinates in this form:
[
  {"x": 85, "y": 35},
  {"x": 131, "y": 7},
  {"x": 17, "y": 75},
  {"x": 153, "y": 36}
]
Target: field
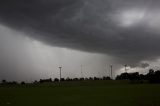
[{"x": 85, "y": 93}]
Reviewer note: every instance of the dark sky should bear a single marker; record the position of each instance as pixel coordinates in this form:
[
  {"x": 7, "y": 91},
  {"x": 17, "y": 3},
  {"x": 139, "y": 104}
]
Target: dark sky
[{"x": 126, "y": 30}]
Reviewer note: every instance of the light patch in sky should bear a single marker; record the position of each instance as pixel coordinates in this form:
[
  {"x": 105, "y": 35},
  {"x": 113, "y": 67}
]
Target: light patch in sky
[
  {"x": 154, "y": 20},
  {"x": 131, "y": 17}
]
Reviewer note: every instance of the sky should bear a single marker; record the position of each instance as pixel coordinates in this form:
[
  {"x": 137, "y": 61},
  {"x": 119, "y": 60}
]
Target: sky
[{"x": 38, "y": 36}]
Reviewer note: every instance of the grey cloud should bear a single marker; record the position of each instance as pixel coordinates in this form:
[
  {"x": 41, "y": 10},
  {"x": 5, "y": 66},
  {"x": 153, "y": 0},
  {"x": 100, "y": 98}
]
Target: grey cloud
[
  {"x": 144, "y": 65},
  {"x": 87, "y": 25}
]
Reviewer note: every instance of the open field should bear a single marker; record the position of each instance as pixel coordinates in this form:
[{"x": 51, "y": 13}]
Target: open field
[{"x": 90, "y": 93}]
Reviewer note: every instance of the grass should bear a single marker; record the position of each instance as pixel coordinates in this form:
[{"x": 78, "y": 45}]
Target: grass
[{"x": 86, "y": 93}]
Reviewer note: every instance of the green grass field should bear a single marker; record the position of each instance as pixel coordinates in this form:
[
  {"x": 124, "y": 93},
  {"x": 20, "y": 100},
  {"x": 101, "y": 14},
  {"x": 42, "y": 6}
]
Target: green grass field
[{"x": 89, "y": 93}]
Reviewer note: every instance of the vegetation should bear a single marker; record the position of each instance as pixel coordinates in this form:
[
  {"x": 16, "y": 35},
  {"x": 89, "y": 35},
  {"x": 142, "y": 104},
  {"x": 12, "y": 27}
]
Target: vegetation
[
  {"x": 152, "y": 76},
  {"x": 130, "y": 89},
  {"x": 81, "y": 93}
]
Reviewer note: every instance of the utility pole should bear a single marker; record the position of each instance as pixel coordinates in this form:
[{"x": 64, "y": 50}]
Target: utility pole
[
  {"x": 111, "y": 67},
  {"x": 81, "y": 71},
  {"x": 60, "y": 69},
  {"x": 125, "y": 68}
]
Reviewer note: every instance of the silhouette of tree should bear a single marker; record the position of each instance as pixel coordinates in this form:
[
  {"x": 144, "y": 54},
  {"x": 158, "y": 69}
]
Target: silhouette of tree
[
  {"x": 23, "y": 83},
  {"x": 4, "y": 81},
  {"x": 75, "y": 79},
  {"x": 56, "y": 80},
  {"x": 152, "y": 76},
  {"x": 106, "y": 78},
  {"x": 45, "y": 80},
  {"x": 35, "y": 82},
  {"x": 62, "y": 79},
  {"x": 90, "y": 78},
  {"x": 123, "y": 76},
  {"x": 68, "y": 79},
  {"x": 81, "y": 79},
  {"x": 157, "y": 76}
]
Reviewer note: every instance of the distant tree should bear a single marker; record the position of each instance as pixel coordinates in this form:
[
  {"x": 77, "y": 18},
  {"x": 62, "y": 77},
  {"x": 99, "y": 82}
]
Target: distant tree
[
  {"x": 35, "y": 82},
  {"x": 45, "y": 80},
  {"x": 75, "y": 79},
  {"x": 4, "y": 81},
  {"x": 68, "y": 79},
  {"x": 128, "y": 76},
  {"x": 142, "y": 77},
  {"x": 12, "y": 83},
  {"x": 90, "y": 78},
  {"x": 56, "y": 80},
  {"x": 154, "y": 77},
  {"x": 157, "y": 76},
  {"x": 96, "y": 78},
  {"x": 81, "y": 79},
  {"x": 86, "y": 79},
  {"x": 62, "y": 79},
  {"x": 106, "y": 78},
  {"x": 151, "y": 72},
  {"x": 150, "y": 76},
  {"x": 23, "y": 83},
  {"x": 123, "y": 76},
  {"x": 134, "y": 76}
]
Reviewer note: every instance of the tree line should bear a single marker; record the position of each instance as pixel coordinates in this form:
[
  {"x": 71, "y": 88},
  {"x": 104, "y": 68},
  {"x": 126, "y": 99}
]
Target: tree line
[
  {"x": 152, "y": 76},
  {"x": 50, "y": 80}
]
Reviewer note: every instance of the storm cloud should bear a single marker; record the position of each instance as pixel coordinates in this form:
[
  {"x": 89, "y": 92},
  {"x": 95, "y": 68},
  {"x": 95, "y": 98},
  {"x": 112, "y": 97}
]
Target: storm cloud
[{"x": 125, "y": 29}]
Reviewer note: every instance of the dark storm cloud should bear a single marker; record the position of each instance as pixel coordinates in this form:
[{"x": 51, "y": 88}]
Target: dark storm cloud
[{"x": 88, "y": 25}]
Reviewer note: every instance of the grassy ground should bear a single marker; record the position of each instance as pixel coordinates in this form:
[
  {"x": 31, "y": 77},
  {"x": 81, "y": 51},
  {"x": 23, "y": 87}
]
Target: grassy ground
[{"x": 97, "y": 93}]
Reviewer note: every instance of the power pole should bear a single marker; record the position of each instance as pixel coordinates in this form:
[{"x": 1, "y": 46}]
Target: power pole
[
  {"x": 111, "y": 67},
  {"x": 60, "y": 69},
  {"x": 81, "y": 71},
  {"x": 125, "y": 68}
]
